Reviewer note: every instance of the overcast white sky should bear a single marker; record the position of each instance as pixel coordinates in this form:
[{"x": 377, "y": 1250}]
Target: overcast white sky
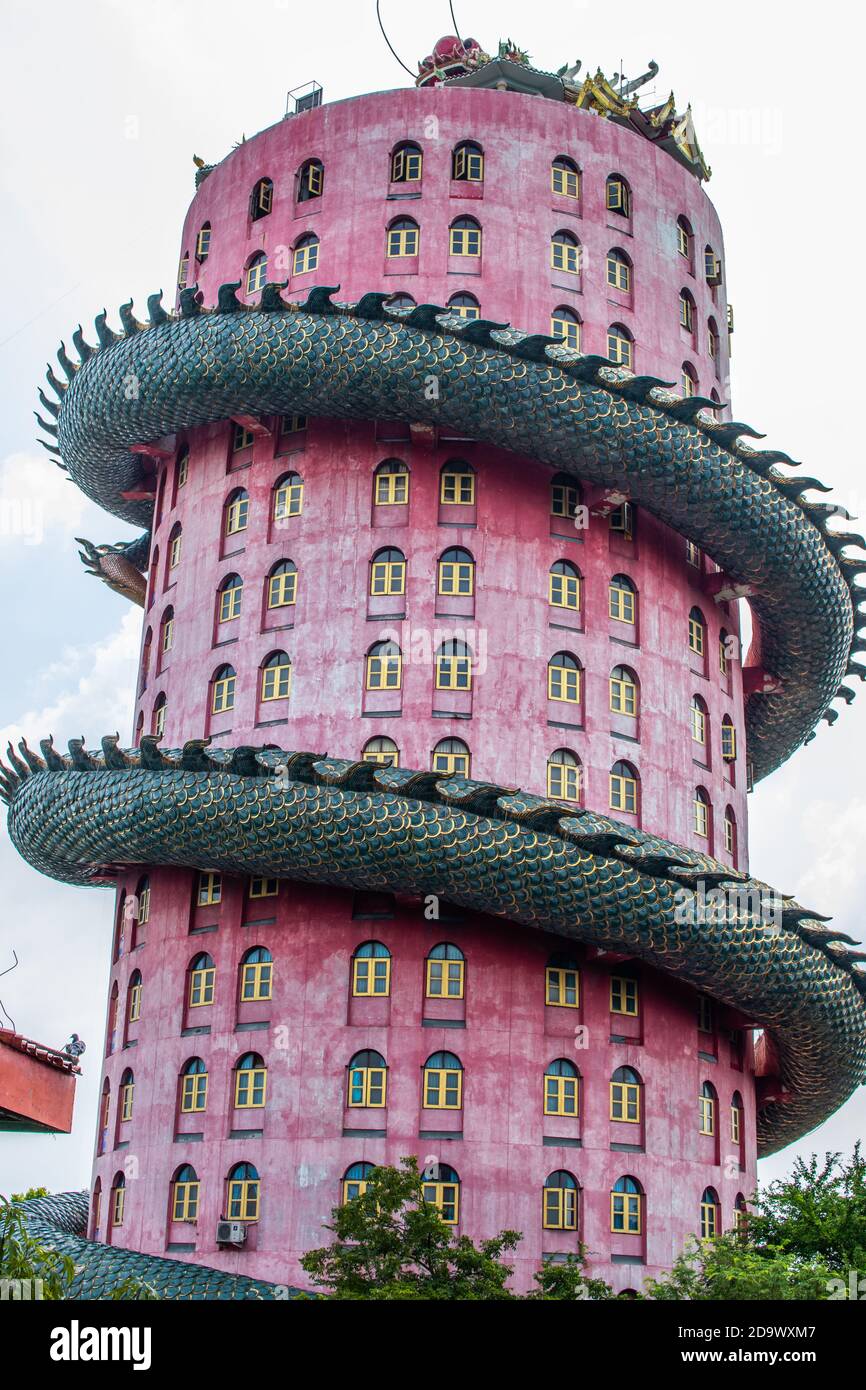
[{"x": 102, "y": 105}]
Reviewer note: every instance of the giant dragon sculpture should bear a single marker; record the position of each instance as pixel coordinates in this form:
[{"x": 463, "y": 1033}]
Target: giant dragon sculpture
[{"x": 490, "y": 849}]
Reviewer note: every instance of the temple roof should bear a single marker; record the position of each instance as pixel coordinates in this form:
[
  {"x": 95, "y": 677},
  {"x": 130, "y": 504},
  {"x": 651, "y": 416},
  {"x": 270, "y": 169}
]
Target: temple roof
[{"x": 463, "y": 63}]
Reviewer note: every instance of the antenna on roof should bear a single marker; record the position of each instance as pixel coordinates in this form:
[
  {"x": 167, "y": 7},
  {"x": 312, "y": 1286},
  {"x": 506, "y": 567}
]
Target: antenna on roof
[
  {"x": 453, "y": 20},
  {"x": 391, "y": 46}
]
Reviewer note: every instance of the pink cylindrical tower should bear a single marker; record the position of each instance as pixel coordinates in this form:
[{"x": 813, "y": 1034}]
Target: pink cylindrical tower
[{"x": 381, "y": 590}]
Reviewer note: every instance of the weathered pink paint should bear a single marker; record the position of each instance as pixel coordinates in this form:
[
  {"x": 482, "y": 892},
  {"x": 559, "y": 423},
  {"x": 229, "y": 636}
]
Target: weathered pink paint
[{"x": 503, "y": 1145}]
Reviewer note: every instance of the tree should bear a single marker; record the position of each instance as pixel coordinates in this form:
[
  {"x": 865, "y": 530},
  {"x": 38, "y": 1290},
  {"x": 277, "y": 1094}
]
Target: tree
[
  {"x": 24, "y": 1260},
  {"x": 818, "y": 1212},
  {"x": 730, "y": 1267}
]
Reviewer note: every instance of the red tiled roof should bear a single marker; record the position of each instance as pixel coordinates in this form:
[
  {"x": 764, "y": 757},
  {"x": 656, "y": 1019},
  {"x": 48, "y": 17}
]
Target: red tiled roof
[{"x": 49, "y": 1055}]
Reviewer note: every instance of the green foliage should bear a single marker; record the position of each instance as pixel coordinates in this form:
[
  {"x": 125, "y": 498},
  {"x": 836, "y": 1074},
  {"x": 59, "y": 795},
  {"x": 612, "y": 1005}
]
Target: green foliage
[
  {"x": 818, "y": 1212},
  {"x": 392, "y": 1245},
  {"x": 567, "y": 1282},
  {"x": 132, "y": 1290},
  {"x": 31, "y": 1192},
  {"x": 23, "y": 1258},
  {"x": 730, "y": 1267}
]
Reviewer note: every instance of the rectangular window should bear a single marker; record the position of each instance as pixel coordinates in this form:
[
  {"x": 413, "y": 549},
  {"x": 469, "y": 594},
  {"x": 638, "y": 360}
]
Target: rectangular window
[
  {"x": 367, "y": 1088},
  {"x": 564, "y": 181},
  {"x": 223, "y": 695},
  {"x": 230, "y": 603},
  {"x": 621, "y": 521},
  {"x": 384, "y": 672},
  {"x": 210, "y": 889},
  {"x": 194, "y": 1092},
  {"x": 562, "y": 987},
  {"x": 623, "y": 794},
  {"x": 444, "y": 1196},
  {"x": 135, "y": 1004},
  {"x": 457, "y": 489},
  {"x": 403, "y": 241},
  {"x": 623, "y": 696},
  {"x": 371, "y": 975},
  {"x": 444, "y": 979},
  {"x": 256, "y": 980},
  {"x": 243, "y": 1200},
  {"x": 560, "y": 1095},
  {"x": 174, "y": 552},
  {"x": 729, "y": 742},
  {"x": 560, "y": 1209},
  {"x": 185, "y": 1201},
  {"x": 564, "y": 500},
  {"x": 388, "y": 577},
  {"x": 564, "y": 591},
  {"x": 618, "y": 197},
  {"x": 392, "y": 489},
  {"x": 126, "y": 1093},
  {"x": 264, "y": 887},
  {"x": 735, "y": 1124},
  {"x": 201, "y": 987},
  {"x": 453, "y": 673},
  {"x": 625, "y": 1213},
  {"x": 465, "y": 241},
  {"x": 625, "y": 1102},
  {"x": 443, "y": 1088},
  {"x": 456, "y": 577},
  {"x": 696, "y": 636},
  {"x": 623, "y": 996},
  {"x": 282, "y": 589},
  {"x": 709, "y": 1220},
  {"x": 277, "y": 682},
  {"x": 563, "y": 683},
  {"x": 250, "y": 1088}
]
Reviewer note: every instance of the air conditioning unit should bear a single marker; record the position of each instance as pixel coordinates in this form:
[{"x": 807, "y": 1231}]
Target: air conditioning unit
[{"x": 231, "y": 1233}]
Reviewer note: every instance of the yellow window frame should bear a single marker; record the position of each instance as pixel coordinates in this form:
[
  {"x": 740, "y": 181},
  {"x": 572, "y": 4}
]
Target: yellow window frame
[
  {"x": 623, "y": 696},
  {"x": 210, "y": 889},
  {"x": 402, "y": 241},
  {"x": 736, "y": 1127},
  {"x": 625, "y": 1102},
  {"x": 371, "y": 1084},
  {"x": 167, "y": 635},
  {"x": 305, "y": 258},
  {"x": 257, "y": 275},
  {"x": 564, "y": 181},
  {"x": 709, "y": 1220},
  {"x": 624, "y": 996},
  {"x": 564, "y": 256},
  {"x": 707, "y": 1114},
  {"x": 237, "y": 515},
  {"x": 289, "y": 500},
  {"x": 696, "y": 636},
  {"x": 619, "y": 350},
  {"x": 561, "y": 1096},
  {"x": 117, "y": 1206},
  {"x": 174, "y": 552},
  {"x": 135, "y": 1003},
  {"x": 256, "y": 980},
  {"x": 564, "y": 500},
  {"x": 264, "y": 887},
  {"x": 251, "y": 1088},
  {"x": 559, "y": 1208},
  {"x": 729, "y": 835},
  {"x": 563, "y": 683},
  {"x": 230, "y": 603},
  {"x": 456, "y": 489},
  {"x": 699, "y": 725},
  {"x": 686, "y": 313},
  {"x": 623, "y": 794},
  {"x": 185, "y": 1201},
  {"x": 616, "y": 197},
  {"x": 468, "y": 165},
  {"x": 447, "y": 763},
  {"x": 385, "y": 671},
  {"x": 201, "y": 986},
  {"x": 194, "y": 1092},
  {"x": 406, "y": 166},
  {"x": 457, "y": 577},
  {"x": 566, "y": 330},
  {"x": 282, "y": 589},
  {"x": 243, "y": 1199},
  {"x": 625, "y": 1213},
  {"x": 464, "y": 241},
  {"x": 382, "y": 757},
  {"x": 701, "y": 818},
  {"x": 563, "y": 781},
  {"x": 453, "y": 672},
  {"x": 159, "y": 721},
  {"x": 375, "y": 983},
  {"x": 729, "y": 743},
  {"x": 183, "y": 273},
  {"x": 445, "y": 978},
  {"x": 223, "y": 695},
  {"x": 126, "y": 1096},
  {"x": 560, "y": 981},
  {"x": 443, "y": 1088},
  {"x": 392, "y": 489},
  {"x": 564, "y": 591},
  {"x": 445, "y": 1197},
  {"x": 618, "y": 274},
  {"x": 277, "y": 682},
  {"x": 388, "y": 577}
]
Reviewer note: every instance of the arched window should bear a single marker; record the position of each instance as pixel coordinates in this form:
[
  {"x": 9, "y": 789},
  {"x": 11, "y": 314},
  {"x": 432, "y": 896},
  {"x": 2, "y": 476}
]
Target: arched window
[
  {"x": 388, "y": 572},
  {"x": 133, "y": 996},
  {"x": 182, "y": 467},
  {"x": 113, "y": 1006},
  {"x": 741, "y": 1213},
  {"x": 193, "y": 1086},
  {"x": 257, "y": 272},
  {"x": 713, "y": 339},
  {"x": 256, "y": 974},
  {"x": 688, "y": 381},
  {"x": 697, "y": 632},
  {"x": 620, "y": 346},
  {"x": 731, "y": 834},
  {"x": 625, "y": 1207},
  {"x": 382, "y": 751},
  {"x": 623, "y": 691},
  {"x": 693, "y": 555},
  {"x": 625, "y": 1088},
  {"x": 466, "y": 305},
  {"x": 118, "y": 1199},
  {"x": 565, "y": 178},
  {"x": 707, "y": 1109},
  {"x": 456, "y": 572},
  {"x": 184, "y": 1194},
  {"x": 451, "y": 755},
  {"x": 96, "y": 1208},
  {"x": 563, "y": 776},
  {"x": 404, "y": 303},
  {"x": 443, "y": 1082},
  {"x": 202, "y": 974},
  {"x": 454, "y": 666},
  {"x": 445, "y": 972},
  {"x": 729, "y": 739},
  {"x": 160, "y": 706},
  {"x": 684, "y": 238},
  {"x": 288, "y": 496},
  {"x": 457, "y": 484},
  {"x": 406, "y": 163},
  {"x": 183, "y": 271},
  {"x": 166, "y": 631},
  {"x": 276, "y": 677},
  {"x": 618, "y": 195},
  {"x": 712, "y": 266},
  {"x": 565, "y": 253},
  {"x": 467, "y": 163},
  {"x": 464, "y": 237},
  {"x": 403, "y": 238},
  {"x": 282, "y": 584},
  {"x": 262, "y": 199},
  {"x": 251, "y": 1082},
  {"x": 561, "y": 1088},
  {"x": 701, "y": 813},
  {"x": 355, "y": 1181},
  {"x": 104, "y": 1113},
  {"x": 175, "y": 546},
  {"x": 237, "y": 511},
  {"x": 311, "y": 180},
  {"x": 559, "y": 1204},
  {"x": 565, "y": 325},
  {"x": 624, "y": 997},
  {"x": 242, "y": 438},
  {"x": 391, "y": 484},
  {"x": 687, "y": 311},
  {"x": 244, "y": 1193},
  {"x": 710, "y": 1223},
  {"x": 384, "y": 666},
  {"x": 618, "y": 270},
  {"x": 371, "y": 970},
  {"x": 562, "y": 982},
  {"x": 368, "y": 1077},
  {"x": 723, "y": 652},
  {"x": 563, "y": 678},
  {"x": 223, "y": 690},
  {"x": 127, "y": 1091},
  {"x": 698, "y": 715},
  {"x": 736, "y": 1118},
  {"x": 441, "y": 1187},
  {"x": 231, "y": 591},
  {"x": 306, "y": 254},
  {"x": 564, "y": 495}
]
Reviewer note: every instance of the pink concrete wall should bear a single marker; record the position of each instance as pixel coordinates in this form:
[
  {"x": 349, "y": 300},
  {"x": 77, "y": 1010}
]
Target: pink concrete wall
[{"x": 509, "y": 1037}]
